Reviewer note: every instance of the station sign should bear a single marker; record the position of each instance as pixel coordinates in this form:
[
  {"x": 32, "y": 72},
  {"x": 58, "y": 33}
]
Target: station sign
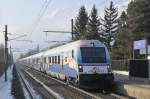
[{"x": 140, "y": 44}]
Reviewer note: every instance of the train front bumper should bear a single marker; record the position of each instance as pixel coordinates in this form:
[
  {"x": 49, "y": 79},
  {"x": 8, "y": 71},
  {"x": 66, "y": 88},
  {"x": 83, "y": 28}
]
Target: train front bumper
[{"x": 96, "y": 81}]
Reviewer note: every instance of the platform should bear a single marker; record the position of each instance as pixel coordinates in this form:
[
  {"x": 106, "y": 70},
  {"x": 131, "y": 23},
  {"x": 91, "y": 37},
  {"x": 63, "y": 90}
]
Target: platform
[{"x": 134, "y": 87}]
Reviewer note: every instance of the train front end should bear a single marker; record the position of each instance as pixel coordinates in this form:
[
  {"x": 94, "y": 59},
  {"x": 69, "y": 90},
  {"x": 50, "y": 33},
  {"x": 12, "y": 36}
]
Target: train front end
[{"x": 94, "y": 67}]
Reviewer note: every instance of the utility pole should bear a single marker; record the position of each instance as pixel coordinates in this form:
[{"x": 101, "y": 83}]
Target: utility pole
[
  {"x": 72, "y": 32},
  {"x": 10, "y": 56},
  {"x": 6, "y": 52}
]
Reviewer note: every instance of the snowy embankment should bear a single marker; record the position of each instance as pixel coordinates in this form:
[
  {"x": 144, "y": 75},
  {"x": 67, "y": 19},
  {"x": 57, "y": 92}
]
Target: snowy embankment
[
  {"x": 121, "y": 72},
  {"x": 121, "y": 75},
  {"x": 5, "y": 87}
]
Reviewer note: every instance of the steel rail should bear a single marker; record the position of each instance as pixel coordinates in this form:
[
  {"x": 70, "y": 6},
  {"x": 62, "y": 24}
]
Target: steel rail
[
  {"x": 92, "y": 95},
  {"x": 26, "y": 85}
]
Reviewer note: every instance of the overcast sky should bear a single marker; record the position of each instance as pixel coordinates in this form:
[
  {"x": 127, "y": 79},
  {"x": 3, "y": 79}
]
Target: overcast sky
[{"x": 29, "y": 17}]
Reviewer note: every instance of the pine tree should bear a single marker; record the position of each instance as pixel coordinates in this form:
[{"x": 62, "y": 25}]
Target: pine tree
[
  {"x": 110, "y": 24},
  {"x": 93, "y": 25},
  {"x": 80, "y": 28},
  {"x": 139, "y": 19},
  {"x": 123, "y": 40}
]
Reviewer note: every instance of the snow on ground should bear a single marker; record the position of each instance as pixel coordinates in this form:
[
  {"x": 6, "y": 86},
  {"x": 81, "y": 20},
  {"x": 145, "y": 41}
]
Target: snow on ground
[
  {"x": 121, "y": 72},
  {"x": 121, "y": 75},
  {"x": 5, "y": 87}
]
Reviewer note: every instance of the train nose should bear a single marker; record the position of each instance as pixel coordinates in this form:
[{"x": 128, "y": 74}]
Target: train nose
[{"x": 96, "y": 81}]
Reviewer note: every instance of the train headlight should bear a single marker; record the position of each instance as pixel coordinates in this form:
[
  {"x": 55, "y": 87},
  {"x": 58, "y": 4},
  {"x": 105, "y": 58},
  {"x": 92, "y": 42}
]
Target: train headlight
[
  {"x": 80, "y": 68},
  {"x": 109, "y": 68}
]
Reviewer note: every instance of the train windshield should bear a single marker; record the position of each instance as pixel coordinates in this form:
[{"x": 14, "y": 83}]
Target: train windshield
[{"x": 93, "y": 54}]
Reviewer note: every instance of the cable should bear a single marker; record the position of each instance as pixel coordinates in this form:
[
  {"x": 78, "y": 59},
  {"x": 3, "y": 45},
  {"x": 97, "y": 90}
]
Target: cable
[
  {"x": 40, "y": 15},
  {"x": 118, "y": 2}
]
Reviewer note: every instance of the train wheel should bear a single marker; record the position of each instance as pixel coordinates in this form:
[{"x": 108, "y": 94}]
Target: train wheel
[
  {"x": 67, "y": 80},
  {"x": 77, "y": 83}
]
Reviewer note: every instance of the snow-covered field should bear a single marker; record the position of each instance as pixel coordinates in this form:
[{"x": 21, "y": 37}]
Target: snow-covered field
[{"x": 5, "y": 87}]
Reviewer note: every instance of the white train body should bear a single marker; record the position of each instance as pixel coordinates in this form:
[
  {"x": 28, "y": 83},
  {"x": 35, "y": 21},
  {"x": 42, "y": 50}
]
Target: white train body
[{"x": 85, "y": 62}]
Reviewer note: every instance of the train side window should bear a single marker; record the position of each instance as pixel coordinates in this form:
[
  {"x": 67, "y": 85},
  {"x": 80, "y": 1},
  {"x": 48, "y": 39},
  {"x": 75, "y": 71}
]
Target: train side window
[
  {"x": 44, "y": 59},
  {"x": 65, "y": 59},
  {"x": 52, "y": 59},
  {"x": 37, "y": 60},
  {"x": 49, "y": 59},
  {"x": 55, "y": 59},
  {"x": 58, "y": 59},
  {"x": 72, "y": 53}
]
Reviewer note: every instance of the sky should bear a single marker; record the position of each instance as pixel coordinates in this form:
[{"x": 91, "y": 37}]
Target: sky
[{"x": 32, "y": 17}]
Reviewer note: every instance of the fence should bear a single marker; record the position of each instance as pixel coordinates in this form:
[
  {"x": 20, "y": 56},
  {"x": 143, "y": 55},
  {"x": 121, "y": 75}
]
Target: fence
[{"x": 122, "y": 65}]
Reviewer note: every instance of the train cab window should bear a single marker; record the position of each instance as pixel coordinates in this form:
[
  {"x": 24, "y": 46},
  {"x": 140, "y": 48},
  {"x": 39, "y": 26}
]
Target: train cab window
[
  {"x": 55, "y": 59},
  {"x": 49, "y": 59},
  {"x": 58, "y": 59},
  {"x": 93, "y": 54}
]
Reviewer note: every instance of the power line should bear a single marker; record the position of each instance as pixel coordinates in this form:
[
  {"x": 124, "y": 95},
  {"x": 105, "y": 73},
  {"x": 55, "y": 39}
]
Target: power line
[
  {"x": 17, "y": 37},
  {"x": 62, "y": 32},
  {"x": 59, "y": 31},
  {"x": 24, "y": 40},
  {"x": 118, "y": 2},
  {"x": 40, "y": 15}
]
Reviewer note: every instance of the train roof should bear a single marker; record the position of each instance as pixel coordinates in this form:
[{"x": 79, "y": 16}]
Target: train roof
[
  {"x": 71, "y": 45},
  {"x": 81, "y": 43}
]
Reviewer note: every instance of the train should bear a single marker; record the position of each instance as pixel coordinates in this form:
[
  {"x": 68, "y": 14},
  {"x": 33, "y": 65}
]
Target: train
[{"x": 85, "y": 63}]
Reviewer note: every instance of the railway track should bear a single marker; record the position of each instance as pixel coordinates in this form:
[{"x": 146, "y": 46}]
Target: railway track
[
  {"x": 28, "y": 88},
  {"x": 35, "y": 90},
  {"x": 66, "y": 91}
]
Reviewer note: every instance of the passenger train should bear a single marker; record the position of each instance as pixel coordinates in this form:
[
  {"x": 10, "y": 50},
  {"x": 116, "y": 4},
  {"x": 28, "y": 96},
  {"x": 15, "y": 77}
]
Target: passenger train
[{"x": 86, "y": 63}]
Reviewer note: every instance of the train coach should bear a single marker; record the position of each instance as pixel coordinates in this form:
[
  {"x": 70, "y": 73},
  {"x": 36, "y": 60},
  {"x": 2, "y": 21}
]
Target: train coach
[{"x": 86, "y": 63}]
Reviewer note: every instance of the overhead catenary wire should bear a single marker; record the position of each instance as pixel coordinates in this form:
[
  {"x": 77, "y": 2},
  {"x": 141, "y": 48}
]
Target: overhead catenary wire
[
  {"x": 40, "y": 15},
  {"x": 42, "y": 11},
  {"x": 17, "y": 37},
  {"x": 115, "y": 3}
]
